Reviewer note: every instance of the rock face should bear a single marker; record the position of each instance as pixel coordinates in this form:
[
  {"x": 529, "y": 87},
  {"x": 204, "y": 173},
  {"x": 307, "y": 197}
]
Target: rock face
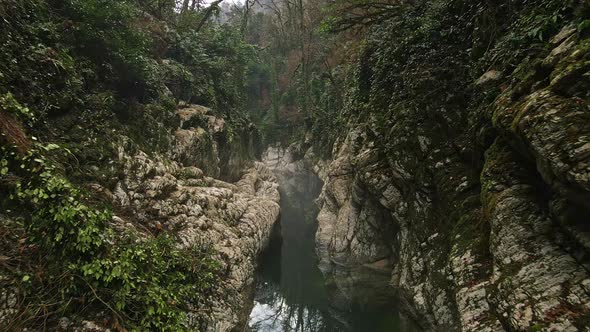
[
  {"x": 234, "y": 219},
  {"x": 497, "y": 245},
  {"x": 203, "y": 141}
]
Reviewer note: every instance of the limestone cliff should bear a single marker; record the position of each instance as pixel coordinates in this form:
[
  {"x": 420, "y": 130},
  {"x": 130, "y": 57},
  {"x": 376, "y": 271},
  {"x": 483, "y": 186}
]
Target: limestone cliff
[
  {"x": 234, "y": 219},
  {"x": 479, "y": 232}
]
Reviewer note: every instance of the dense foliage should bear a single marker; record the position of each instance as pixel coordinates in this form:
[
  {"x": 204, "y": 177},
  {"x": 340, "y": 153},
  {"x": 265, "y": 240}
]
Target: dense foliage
[
  {"x": 361, "y": 58},
  {"x": 81, "y": 73},
  {"x": 75, "y": 258},
  {"x": 116, "y": 61}
]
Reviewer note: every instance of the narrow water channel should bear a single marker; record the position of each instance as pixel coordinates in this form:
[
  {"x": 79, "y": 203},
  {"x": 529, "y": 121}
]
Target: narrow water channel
[{"x": 291, "y": 293}]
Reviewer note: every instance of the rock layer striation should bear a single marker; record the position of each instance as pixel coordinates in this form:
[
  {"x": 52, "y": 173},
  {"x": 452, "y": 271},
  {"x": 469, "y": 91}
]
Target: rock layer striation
[
  {"x": 476, "y": 239},
  {"x": 235, "y": 220}
]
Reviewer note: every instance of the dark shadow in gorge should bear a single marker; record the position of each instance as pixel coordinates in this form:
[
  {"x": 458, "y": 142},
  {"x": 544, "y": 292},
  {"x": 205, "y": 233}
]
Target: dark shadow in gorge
[{"x": 291, "y": 292}]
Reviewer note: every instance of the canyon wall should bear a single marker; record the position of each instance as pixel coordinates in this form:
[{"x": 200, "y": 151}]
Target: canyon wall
[
  {"x": 182, "y": 194},
  {"x": 179, "y": 194},
  {"x": 481, "y": 225}
]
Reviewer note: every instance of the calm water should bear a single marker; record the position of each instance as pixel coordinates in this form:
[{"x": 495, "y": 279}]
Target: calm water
[{"x": 291, "y": 294}]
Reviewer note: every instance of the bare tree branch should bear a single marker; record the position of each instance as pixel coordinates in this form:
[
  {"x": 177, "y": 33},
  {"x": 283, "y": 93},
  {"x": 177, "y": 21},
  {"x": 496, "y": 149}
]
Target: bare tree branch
[
  {"x": 361, "y": 14},
  {"x": 208, "y": 13}
]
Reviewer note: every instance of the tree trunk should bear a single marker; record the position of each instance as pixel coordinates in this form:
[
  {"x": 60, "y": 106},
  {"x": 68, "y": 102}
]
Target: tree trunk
[
  {"x": 208, "y": 13},
  {"x": 185, "y": 5}
]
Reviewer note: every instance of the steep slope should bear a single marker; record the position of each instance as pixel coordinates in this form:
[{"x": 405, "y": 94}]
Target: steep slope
[
  {"x": 234, "y": 220},
  {"x": 474, "y": 197}
]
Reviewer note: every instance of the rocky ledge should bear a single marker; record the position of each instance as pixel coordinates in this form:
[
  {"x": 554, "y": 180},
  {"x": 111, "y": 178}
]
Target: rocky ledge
[{"x": 235, "y": 220}]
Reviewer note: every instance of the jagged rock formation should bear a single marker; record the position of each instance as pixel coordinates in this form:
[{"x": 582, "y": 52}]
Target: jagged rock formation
[
  {"x": 492, "y": 247},
  {"x": 202, "y": 140},
  {"x": 235, "y": 220}
]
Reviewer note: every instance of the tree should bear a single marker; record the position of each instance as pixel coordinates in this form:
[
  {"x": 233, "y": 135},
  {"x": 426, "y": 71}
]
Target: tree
[
  {"x": 348, "y": 14},
  {"x": 208, "y": 13}
]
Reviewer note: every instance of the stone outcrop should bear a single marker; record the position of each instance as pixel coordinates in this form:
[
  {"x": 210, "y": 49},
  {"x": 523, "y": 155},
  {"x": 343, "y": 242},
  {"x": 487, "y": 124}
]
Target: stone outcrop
[
  {"x": 172, "y": 193},
  {"x": 474, "y": 241},
  {"x": 202, "y": 140},
  {"x": 196, "y": 144},
  {"x": 234, "y": 219}
]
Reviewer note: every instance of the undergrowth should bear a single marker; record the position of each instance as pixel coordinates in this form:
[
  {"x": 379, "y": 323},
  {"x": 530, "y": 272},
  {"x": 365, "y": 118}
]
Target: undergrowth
[{"x": 70, "y": 261}]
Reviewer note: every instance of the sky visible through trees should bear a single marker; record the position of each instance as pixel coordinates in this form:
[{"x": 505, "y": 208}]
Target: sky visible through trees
[{"x": 228, "y": 1}]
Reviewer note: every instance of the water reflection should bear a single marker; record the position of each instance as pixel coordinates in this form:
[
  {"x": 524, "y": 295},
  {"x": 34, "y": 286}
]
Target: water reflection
[
  {"x": 284, "y": 317},
  {"x": 291, "y": 293}
]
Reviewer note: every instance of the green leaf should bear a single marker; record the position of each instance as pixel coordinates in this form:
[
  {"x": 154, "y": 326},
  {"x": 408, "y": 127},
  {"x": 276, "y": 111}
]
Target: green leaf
[{"x": 52, "y": 146}]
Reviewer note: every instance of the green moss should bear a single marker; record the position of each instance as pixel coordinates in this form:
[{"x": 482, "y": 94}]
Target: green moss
[
  {"x": 536, "y": 327},
  {"x": 584, "y": 29}
]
